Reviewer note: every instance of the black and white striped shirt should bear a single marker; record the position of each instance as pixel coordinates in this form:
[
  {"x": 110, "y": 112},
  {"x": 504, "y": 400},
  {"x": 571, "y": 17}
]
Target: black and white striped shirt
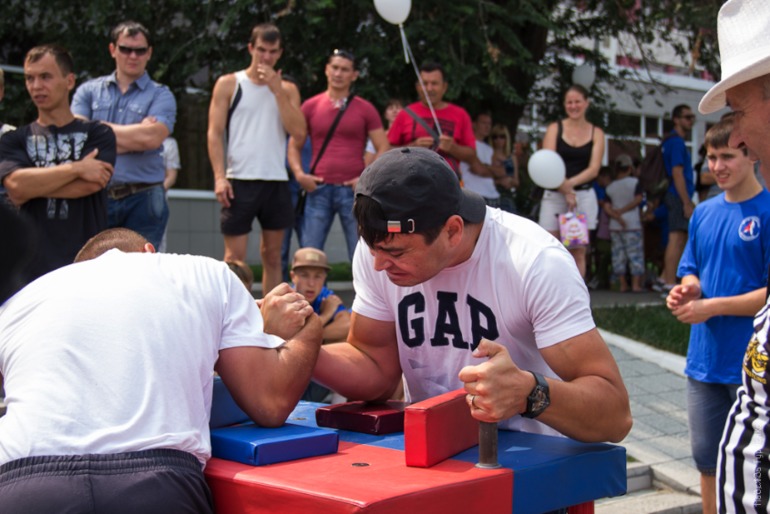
[{"x": 744, "y": 463}]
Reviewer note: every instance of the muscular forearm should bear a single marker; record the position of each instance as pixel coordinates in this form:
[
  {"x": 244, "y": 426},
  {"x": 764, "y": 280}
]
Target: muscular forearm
[
  {"x": 76, "y": 189},
  {"x": 216, "y": 154},
  {"x": 589, "y": 409},
  {"x": 350, "y": 372},
  {"x": 139, "y": 137},
  {"x": 292, "y": 118},
  {"x": 294, "y": 157},
  {"x": 269, "y": 396},
  {"x": 337, "y": 329},
  {"x": 27, "y": 183},
  {"x": 677, "y": 176},
  {"x": 462, "y": 153}
]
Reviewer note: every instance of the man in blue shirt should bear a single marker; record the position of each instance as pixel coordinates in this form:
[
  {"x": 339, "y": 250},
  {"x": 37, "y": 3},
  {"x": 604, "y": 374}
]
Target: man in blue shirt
[
  {"x": 142, "y": 114},
  {"x": 681, "y": 187}
]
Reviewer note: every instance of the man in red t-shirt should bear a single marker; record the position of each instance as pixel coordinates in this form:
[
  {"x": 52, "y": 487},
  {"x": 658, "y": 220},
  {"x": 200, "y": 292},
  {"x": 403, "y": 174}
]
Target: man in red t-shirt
[
  {"x": 456, "y": 142},
  {"x": 330, "y": 189}
]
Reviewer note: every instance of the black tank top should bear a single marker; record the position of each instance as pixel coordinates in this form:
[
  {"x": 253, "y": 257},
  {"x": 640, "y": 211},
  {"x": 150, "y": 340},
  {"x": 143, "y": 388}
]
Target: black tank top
[{"x": 576, "y": 158}]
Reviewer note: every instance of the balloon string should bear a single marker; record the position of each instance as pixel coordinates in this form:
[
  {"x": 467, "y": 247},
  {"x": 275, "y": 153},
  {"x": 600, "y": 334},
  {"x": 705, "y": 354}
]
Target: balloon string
[
  {"x": 408, "y": 50},
  {"x": 403, "y": 42}
]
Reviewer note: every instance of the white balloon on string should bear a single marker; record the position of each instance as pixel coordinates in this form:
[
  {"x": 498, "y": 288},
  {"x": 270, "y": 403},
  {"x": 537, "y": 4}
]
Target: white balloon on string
[
  {"x": 546, "y": 169},
  {"x": 396, "y": 12},
  {"x": 393, "y": 11},
  {"x": 584, "y": 75}
]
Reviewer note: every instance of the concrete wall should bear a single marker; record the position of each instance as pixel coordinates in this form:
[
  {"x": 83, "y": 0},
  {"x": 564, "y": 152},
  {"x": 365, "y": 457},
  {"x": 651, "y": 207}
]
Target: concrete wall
[{"x": 193, "y": 228}]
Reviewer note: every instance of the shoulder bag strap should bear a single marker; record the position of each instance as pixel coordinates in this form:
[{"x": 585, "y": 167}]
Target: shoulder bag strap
[
  {"x": 431, "y": 132},
  {"x": 331, "y": 131}
]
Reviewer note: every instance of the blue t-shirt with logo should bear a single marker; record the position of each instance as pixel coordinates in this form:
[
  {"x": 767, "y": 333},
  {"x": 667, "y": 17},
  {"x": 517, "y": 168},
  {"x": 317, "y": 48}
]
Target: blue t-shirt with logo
[{"x": 728, "y": 248}]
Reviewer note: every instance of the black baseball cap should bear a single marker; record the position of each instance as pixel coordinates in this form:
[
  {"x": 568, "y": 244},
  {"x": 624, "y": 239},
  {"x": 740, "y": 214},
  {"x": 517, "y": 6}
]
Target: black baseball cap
[{"x": 417, "y": 191}]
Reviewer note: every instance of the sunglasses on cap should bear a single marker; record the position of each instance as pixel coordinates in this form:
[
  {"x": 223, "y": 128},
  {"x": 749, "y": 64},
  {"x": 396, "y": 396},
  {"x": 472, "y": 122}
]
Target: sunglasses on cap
[
  {"x": 138, "y": 51},
  {"x": 344, "y": 54}
]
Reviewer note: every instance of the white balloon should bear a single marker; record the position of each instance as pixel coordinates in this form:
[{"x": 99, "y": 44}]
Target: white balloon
[
  {"x": 584, "y": 75},
  {"x": 546, "y": 169},
  {"x": 393, "y": 11}
]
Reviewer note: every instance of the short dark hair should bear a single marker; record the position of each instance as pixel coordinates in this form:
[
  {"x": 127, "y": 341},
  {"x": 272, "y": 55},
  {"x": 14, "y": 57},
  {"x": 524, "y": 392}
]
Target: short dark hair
[
  {"x": 267, "y": 32},
  {"x": 345, "y": 54},
  {"x": 122, "y": 239},
  {"x": 131, "y": 29},
  {"x": 365, "y": 208},
  {"x": 677, "y": 112},
  {"x": 718, "y": 136},
  {"x": 60, "y": 54},
  {"x": 432, "y": 66}
]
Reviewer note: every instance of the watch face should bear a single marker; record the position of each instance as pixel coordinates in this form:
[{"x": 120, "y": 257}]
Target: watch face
[{"x": 539, "y": 399}]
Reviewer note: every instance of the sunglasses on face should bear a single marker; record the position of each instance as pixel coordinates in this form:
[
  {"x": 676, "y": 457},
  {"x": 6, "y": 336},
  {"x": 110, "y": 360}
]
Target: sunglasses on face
[
  {"x": 127, "y": 50},
  {"x": 689, "y": 117},
  {"x": 498, "y": 136}
]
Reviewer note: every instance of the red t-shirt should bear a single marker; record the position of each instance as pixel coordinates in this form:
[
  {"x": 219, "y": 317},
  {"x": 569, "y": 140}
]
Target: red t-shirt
[
  {"x": 343, "y": 158},
  {"x": 453, "y": 120}
]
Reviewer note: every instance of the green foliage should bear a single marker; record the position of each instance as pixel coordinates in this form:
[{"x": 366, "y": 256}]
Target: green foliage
[
  {"x": 495, "y": 51},
  {"x": 654, "y": 325}
]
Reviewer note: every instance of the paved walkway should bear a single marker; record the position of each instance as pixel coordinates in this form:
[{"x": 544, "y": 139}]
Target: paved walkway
[{"x": 659, "y": 440}]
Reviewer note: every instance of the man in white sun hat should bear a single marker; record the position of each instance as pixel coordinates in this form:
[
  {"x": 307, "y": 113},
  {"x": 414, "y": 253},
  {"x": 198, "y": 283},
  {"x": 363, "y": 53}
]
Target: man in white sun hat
[{"x": 743, "y": 470}]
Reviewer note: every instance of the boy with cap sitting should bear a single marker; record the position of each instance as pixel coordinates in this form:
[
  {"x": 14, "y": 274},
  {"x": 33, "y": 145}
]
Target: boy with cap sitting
[{"x": 309, "y": 270}]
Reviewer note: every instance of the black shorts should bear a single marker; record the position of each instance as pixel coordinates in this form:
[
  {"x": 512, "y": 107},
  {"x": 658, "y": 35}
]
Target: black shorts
[
  {"x": 676, "y": 220},
  {"x": 269, "y": 201},
  {"x": 148, "y": 482}
]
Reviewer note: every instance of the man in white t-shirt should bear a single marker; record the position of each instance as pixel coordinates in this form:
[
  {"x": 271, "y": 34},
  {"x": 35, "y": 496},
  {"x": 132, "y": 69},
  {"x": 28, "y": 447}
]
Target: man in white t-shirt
[
  {"x": 479, "y": 176},
  {"x": 109, "y": 368},
  {"x": 455, "y": 294}
]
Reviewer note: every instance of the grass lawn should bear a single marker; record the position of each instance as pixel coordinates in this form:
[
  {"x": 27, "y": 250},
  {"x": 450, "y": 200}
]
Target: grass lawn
[{"x": 654, "y": 325}]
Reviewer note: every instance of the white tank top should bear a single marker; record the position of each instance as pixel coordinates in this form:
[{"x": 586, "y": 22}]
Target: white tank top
[{"x": 256, "y": 139}]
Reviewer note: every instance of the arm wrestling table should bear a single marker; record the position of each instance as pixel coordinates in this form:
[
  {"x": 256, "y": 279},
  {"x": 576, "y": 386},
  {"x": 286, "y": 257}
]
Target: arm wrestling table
[{"x": 368, "y": 475}]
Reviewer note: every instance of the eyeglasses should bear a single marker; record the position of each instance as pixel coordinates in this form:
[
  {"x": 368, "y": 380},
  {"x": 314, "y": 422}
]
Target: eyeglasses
[
  {"x": 498, "y": 136},
  {"x": 127, "y": 50},
  {"x": 344, "y": 54}
]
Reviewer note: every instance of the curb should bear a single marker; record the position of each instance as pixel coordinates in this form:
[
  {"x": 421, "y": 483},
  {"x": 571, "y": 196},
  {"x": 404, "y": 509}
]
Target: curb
[{"x": 666, "y": 360}]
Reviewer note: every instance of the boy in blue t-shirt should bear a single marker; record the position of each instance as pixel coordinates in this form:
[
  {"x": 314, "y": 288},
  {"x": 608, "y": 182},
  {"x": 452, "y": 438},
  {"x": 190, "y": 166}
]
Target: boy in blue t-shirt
[
  {"x": 724, "y": 274},
  {"x": 309, "y": 270}
]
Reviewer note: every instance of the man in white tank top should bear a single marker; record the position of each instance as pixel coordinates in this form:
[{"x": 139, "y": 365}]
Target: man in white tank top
[{"x": 251, "y": 114}]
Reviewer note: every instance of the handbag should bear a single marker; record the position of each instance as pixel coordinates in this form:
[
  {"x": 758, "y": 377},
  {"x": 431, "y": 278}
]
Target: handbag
[
  {"x": 299, "y": 209},
  {"x": 573, "y": 229}
]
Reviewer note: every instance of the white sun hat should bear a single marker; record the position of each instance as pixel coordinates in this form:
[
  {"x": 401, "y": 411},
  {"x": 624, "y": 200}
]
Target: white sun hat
[{"x": 744, "y": 48}]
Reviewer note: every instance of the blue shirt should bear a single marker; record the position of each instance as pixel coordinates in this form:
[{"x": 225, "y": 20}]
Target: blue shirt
[
  {"x": 101, "y": 99},
  {"x": 317, "y": 302},
  {"x": 675, "y": 153},
  {"x": 728, "y": 249}
]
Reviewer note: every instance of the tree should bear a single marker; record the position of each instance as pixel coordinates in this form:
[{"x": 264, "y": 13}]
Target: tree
[{"x": 497, "y": 53}]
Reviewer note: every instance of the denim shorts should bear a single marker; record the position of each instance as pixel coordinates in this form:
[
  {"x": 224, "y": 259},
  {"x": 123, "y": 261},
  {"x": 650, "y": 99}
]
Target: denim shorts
[
  {"x": 148, "y": 482},
  {"x": 707, "y": 408}
]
